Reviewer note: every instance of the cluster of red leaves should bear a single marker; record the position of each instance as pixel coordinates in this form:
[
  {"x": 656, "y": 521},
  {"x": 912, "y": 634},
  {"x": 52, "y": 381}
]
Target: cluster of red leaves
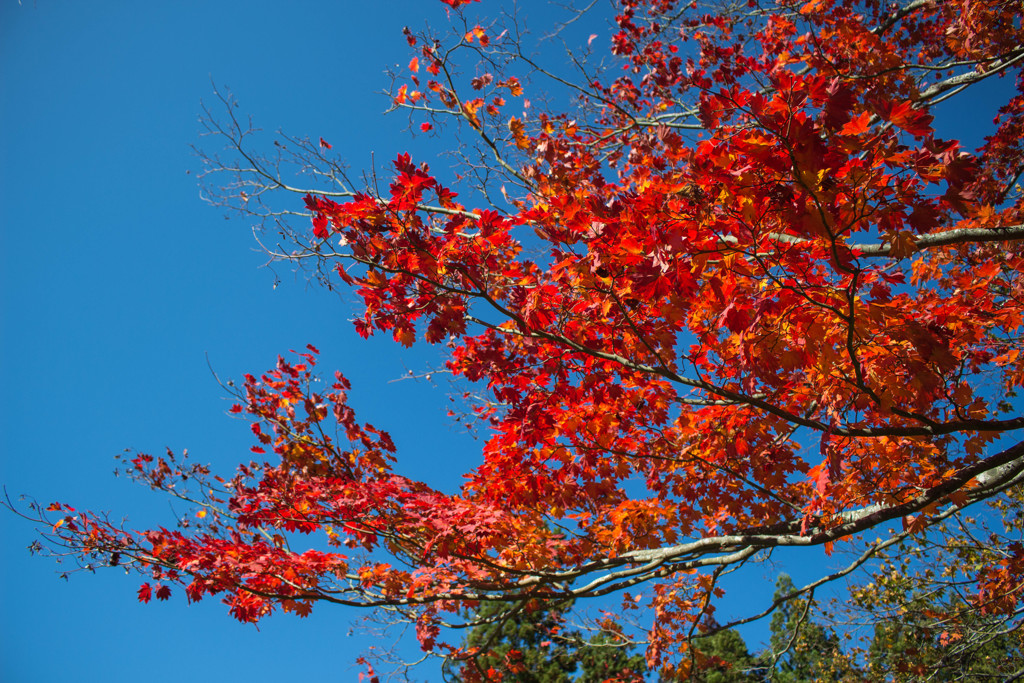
[
  {"x": 700, "y": 310},
  {"x": 241, "y": 544}
]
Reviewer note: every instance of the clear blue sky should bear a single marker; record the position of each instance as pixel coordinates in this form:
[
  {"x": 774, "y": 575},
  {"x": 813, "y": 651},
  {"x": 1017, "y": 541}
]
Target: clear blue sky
[{"x": 118, "y": 281}]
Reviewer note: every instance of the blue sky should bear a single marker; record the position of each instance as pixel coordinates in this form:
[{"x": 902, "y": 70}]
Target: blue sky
[{"x": 119, "y": 282}]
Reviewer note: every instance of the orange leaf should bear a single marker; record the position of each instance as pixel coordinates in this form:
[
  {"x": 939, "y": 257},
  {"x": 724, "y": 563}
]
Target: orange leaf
[{"x": 858, "y": 125}]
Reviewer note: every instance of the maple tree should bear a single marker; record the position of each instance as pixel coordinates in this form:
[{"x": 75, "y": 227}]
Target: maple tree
[{"x": 734, "y": 294}]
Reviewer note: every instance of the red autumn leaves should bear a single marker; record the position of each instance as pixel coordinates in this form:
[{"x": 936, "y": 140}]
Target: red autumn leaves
[{"x": 672, "y": 336}]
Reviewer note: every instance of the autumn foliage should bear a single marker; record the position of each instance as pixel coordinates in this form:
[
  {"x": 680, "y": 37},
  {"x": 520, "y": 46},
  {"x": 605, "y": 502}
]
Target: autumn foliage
[{"x": 738, "y": 294}]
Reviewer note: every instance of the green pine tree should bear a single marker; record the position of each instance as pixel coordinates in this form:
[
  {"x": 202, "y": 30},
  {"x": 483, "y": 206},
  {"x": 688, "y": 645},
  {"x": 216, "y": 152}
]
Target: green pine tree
[
  {"x": 802, "y": 650},
  {"x": 602, "y": 658},
  {"x": 531, "y": 645},
  {"x": 725, "y": 659}
]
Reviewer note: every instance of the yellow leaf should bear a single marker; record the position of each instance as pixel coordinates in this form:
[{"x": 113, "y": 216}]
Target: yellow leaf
[{"x": 518, "y": 130}]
